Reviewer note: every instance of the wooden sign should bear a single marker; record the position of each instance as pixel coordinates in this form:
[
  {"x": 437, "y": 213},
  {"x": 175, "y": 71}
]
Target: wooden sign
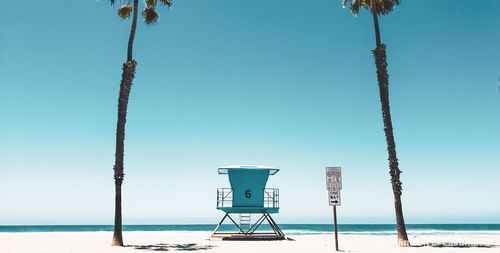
[{"x": 333, "y": 179}]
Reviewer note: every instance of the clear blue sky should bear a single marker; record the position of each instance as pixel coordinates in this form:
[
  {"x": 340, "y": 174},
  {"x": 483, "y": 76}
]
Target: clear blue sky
[{"x": 289, "y": 84}]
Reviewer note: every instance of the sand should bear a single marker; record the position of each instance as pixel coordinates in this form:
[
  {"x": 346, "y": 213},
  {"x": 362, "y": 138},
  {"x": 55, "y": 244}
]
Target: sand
[{"x": 99, "y": 242}]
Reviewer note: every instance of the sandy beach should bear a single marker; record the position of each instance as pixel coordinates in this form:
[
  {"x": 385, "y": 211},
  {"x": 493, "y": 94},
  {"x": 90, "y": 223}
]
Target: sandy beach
[{"x": 99, "y": 242}]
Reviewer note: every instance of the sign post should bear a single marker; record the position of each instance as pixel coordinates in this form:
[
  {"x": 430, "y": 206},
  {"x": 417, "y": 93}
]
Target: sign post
[
  {"x": 335, "y": 226},
  {"x": 334, "y": 185}
]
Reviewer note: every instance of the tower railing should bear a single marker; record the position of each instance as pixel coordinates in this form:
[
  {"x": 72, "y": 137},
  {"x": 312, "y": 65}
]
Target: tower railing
[
  {"x": 272, "y": 197},
  {"x": 225, "y": 197}
]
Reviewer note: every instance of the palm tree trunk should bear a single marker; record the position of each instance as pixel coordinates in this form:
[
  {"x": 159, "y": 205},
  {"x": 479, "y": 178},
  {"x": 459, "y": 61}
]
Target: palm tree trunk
[
  {"x": 383, "y": 83},
  {"x": 125, "y": 86},
  {"x": 117, "y": 233},
  {"x": 375, "y": 23},
  {"x": 132, "y": 31}
]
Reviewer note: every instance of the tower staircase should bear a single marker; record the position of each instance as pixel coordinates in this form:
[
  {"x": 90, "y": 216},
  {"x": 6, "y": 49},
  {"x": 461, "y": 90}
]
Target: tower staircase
[{"x": 245, "y": 221}]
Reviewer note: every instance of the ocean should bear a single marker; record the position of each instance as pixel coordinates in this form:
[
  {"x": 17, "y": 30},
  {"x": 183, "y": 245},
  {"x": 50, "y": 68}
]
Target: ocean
[{"x": 288, "y": 229}]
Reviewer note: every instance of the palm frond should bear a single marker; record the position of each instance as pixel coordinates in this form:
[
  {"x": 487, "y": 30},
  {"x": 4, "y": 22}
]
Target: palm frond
[
  {"x": 124, "y": 11},
  {"x": 167, "y": 2},
  {"x": 150, "y": 15},
  {"x": 151, "y": 3},
  {"x": 383, "y": 7},
  {"x": 356, "y": 5}
]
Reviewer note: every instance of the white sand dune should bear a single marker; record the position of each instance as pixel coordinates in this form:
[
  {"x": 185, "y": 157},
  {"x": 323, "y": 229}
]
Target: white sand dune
[{"x": 99, "y": 242}]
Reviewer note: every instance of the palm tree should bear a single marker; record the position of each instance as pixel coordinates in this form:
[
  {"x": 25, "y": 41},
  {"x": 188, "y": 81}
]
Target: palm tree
[
  {"x": 384, "y": 7},
  {"x": 150, "y": 16}
]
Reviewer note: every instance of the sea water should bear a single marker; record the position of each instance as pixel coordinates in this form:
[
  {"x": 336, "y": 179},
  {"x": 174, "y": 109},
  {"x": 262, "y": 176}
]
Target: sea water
[{"x": 288, "y": 229}]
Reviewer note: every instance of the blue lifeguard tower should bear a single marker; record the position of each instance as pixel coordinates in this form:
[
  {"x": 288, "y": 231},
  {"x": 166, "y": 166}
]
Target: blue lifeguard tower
[{"x": 248, "y": 195}]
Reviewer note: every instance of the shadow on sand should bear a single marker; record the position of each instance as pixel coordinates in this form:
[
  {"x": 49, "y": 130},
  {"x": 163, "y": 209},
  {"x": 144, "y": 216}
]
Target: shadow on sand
[
  {"x": 455, "y": 245},
  {"x": 167, "y": 247}
]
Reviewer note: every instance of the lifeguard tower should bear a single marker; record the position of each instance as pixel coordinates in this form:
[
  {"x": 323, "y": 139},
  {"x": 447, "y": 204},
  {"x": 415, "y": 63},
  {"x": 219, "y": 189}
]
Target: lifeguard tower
[{"x": 248, "y": 195}]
